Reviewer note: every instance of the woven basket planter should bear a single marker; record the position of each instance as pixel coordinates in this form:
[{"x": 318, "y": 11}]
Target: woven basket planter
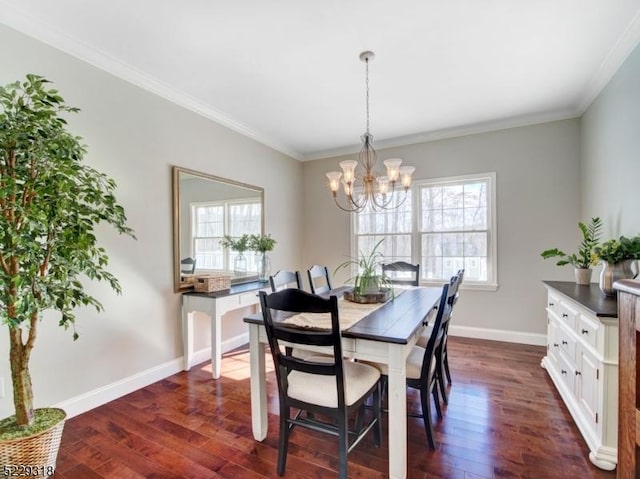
[{"x": 32, "y": 456}]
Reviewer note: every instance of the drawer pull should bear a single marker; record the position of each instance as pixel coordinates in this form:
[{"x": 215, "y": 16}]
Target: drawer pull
[
  {"x": 563, "y": 371},
  {"x": 556, "y": 345},
  {"x": 585, "y": 331},
  {"x": 551, "y": 304},
  {"x": 565, "y": 315},
  {"x": 578, "y": 373},
  {"x": 564, "y": 342}
]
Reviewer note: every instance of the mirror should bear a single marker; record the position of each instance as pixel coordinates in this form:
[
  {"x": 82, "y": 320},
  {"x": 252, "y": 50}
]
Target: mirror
[{"x": 205, "y": 209}]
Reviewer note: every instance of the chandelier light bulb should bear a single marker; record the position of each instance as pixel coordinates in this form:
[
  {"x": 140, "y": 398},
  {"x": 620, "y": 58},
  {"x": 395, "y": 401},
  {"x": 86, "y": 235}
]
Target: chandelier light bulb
[
  {"x": 334, "y": 180},
  {"x": 405, "y": 176}
]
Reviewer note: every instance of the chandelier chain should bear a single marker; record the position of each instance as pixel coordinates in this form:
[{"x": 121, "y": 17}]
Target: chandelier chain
[{"x": 367, "y": 88}]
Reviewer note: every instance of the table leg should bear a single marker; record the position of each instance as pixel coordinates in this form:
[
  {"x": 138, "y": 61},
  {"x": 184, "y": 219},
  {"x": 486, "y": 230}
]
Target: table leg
[
  {"x": 216, "y": 343},
  {"x": 258, "y": 384},
  {"x": 187, "y": 337},
  {"x": 397, "y": 413}
]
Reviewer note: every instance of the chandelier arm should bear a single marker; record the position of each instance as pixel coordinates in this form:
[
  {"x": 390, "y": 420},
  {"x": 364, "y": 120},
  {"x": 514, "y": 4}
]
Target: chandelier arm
[{"x": 356, "y": 209}]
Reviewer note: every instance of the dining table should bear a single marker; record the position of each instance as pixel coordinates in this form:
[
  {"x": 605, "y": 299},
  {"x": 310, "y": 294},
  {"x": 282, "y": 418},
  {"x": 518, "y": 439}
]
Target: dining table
[{"x": 386, "y": 335}]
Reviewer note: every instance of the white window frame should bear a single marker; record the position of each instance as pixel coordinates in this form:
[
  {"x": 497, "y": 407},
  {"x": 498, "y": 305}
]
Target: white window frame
[
  {"x": 227, "y": 266},
  {"x": 416, "y": 244}
]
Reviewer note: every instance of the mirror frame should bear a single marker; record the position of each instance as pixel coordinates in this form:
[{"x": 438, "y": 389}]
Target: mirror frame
[{"x": 178, "y": 286}]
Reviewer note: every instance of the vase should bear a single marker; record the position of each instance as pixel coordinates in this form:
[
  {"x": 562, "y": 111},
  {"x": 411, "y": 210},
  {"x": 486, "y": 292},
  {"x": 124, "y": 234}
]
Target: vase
[
  {"x": 613, "y": 272},
  {"x": 240, "y": 264},
  {"x": 264, "y": 267},
  {"x": 583, "y": 275}
]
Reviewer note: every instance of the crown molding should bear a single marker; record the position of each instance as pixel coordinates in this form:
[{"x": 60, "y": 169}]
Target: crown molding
[
  {"x": 472, "y": 129},
  {"x": 623, "y": 47},
  {"x": 27, "y": 24},
  {"x": 21, "y": 21}
]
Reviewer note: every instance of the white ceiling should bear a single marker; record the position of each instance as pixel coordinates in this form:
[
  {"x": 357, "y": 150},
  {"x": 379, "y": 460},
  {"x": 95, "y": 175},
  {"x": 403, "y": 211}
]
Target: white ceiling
[{"x": 287, "y": 73}]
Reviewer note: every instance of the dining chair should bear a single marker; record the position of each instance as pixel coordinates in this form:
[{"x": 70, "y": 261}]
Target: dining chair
[
  {"x": 319, "y": 279},
  {"x": 402, "y": 273},
  {"x": 318, "y": 386},
  {"x": 188, "y": 265},
  {"x": 422, "y": 366},
  {"x": 285, "y": 279},
  {"x": 442, "y": 356}
]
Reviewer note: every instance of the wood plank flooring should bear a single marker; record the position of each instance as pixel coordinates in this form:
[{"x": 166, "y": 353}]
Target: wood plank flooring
[{"x": 504, "y": 420}]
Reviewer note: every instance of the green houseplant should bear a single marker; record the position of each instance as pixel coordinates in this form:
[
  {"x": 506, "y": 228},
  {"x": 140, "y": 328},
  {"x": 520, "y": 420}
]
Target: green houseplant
[
  {"x": 618, "y": 258},
  {"x": 369, "y": 278},
  {"x": 50, "y": 204},
  {"x": 583, "y": 260},
  {"x": 261, "y": 244}
]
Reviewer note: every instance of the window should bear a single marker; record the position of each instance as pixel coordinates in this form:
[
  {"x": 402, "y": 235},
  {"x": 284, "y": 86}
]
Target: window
[
  {"x": 444, "y": 224},
  {"x": 211, "y": 221}
]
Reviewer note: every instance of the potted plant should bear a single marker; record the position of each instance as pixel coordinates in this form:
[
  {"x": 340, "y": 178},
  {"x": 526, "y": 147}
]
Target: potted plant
[
  {"x": 618, "y": 257},
  {"x": 50, "y": 204},
  {"x": 369, "y": 283},
  {"x": 583, "y": 259},
  {"x": 239, "y": 245},
  {"x": 261, "y": 244}
]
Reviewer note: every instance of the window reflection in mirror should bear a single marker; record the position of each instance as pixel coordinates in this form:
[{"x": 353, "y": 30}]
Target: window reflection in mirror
[{"x": 206, "y": 209}]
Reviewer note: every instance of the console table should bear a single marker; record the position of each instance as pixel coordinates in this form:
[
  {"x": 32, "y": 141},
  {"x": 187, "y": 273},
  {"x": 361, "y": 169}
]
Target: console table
[
  {"x": 214, "y": 304},
  {"x": 582, "y": 361}
]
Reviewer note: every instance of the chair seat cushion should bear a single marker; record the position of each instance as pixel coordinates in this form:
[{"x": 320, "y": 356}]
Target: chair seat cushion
[
  {"x": 414, "y": 363},
  {"x": 322, "y": 390},
  {"x": 423, "y": 339}
]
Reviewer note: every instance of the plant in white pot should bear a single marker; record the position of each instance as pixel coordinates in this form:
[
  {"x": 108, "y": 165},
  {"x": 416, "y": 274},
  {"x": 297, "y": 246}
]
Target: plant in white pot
[
  {"x": 50, "y": 204},
  {"x": 583, "y": 260}
]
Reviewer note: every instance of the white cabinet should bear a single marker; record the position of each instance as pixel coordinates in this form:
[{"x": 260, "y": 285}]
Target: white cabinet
[{"x": 582, "y": 361}]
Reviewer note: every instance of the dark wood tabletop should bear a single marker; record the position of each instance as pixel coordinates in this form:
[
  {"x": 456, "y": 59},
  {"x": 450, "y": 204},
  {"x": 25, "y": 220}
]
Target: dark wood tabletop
[
  {"x": 589, "y": 296},
  {"x": 394, "y": 322}
]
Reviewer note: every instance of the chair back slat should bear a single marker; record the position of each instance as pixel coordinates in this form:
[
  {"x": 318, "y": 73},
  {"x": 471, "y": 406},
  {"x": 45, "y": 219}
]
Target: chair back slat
[
  {"x": 319, "y": 279},
  {"x": 285, "y": 279},
  {"x": 391, "y": 269},
  {"x": 188, "y": 265}
]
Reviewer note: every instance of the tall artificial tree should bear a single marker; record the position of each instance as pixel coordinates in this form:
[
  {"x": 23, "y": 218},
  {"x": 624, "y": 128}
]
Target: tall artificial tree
[{"x": 50, "y": 204}]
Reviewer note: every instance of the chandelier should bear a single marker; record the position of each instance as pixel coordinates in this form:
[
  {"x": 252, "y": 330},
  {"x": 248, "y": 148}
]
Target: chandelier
[{"x": 376, "y": 191}]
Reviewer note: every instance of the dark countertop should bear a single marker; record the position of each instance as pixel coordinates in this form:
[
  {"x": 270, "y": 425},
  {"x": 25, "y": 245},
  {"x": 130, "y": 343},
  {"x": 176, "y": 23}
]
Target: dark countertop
[
  {"x": 588, "y": 296},
  {"x": 235, "y": 289}
]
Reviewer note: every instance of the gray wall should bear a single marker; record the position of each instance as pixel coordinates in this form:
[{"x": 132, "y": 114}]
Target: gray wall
[
  {"x": 537, "y": 208},
  {"x": 135, "y": 137},
  {"x": 610, "y": 164}
]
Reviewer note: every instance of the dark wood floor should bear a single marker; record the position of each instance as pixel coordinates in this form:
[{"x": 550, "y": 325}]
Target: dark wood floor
[{"x": 504, "y": 420}]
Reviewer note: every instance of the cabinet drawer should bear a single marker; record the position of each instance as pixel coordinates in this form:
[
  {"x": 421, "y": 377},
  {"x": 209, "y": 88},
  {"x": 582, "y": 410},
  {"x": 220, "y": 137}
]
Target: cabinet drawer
[
  {"x": 553, "y": 304},
  {"x": 567, "y": 314},
  {"x": 248, "y": 299},
  {"x": 588, "y": 331},
  {"x": 567, "y": 342}
]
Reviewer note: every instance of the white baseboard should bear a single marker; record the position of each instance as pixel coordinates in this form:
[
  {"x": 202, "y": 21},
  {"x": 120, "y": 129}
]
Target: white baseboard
[
  {"x": 498, "y": 335},
  {"x": 102, "y": 395},
  {"x": 98, "y": 397}
]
